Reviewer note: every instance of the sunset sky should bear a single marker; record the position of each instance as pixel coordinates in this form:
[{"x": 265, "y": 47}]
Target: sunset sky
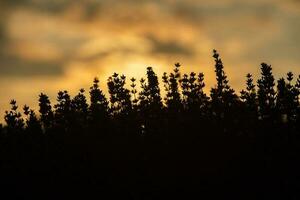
[{"x": 48, "y": 45}]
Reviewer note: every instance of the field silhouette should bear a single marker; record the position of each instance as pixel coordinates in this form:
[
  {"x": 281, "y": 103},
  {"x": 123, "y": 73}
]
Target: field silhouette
[{"x": 137, "y": 144}]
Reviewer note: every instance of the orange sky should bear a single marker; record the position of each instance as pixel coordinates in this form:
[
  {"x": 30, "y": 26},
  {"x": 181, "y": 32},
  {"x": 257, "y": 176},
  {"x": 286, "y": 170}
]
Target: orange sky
[{"x": 48, "y": 45}]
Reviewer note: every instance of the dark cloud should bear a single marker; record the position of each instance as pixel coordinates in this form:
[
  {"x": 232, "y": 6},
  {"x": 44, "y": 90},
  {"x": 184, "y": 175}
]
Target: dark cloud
[
  {"x": 43, "y": 4},
  {"x": 169, "y": 47},
  {"x": 3, "y": 12},
  {"x": 91, "y": 7},
  {"x": 296, "y": 1},
  {"x": 199, "y": 12},
  {"x": 9, "y": 3},
  {"x": 14, "y": 67},
  {"x": 2, "y": 35},
  {"x": 51, "y": 6},
  {"x": 283, "y": 47}
]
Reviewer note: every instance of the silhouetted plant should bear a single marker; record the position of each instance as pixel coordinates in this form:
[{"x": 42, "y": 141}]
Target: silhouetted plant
[
  {"x": 286, "y": 99},
  {"x": 298, "y": 83},
  {"x": 135, "y": 146},
  {"x": 120, "y": 98},
  {"x": 249, "y": 95},
  {"x": 266, "y": 92},
  {"x": 282, "y": 99},
  {"x": 13, "y": 118},
  {"x": 79, "y": 109},
  {"x": 192, "y": 87},
  {"x": 134, "y": 93},
  {"x": 46, "y": 113},
  {"x": 297, "y": 93},
  {"x": 150, "y": 99},
  {"x": 63, "y": 110},
  {"x": 203, "y": 98},
  {"x": 143, "y": 95},
  {"x": 171, "y": 84},
  {"x": 222, "y": 96},
  {"x": 154, "y": 90},
  {"x": 32, "y": 123},
  {"x": 99, "y": 104}
]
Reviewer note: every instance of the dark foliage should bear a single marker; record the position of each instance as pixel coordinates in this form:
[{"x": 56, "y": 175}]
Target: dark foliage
[{"x": 138, "y": 146}]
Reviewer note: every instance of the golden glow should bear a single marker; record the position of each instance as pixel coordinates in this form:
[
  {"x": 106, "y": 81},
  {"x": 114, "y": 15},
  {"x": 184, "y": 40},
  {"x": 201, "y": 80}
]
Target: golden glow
[{"x": 62, "y": 44}]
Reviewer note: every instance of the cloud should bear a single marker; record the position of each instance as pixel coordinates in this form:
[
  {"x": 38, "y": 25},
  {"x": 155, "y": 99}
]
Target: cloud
[
  {"x": 170, "y": 47},
  {"x": 15, "y": 67},
  {"x": 2, "y": 35}
]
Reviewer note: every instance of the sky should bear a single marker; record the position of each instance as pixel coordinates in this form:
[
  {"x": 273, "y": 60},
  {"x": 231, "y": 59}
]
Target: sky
[{"x": 52, "y": 45}]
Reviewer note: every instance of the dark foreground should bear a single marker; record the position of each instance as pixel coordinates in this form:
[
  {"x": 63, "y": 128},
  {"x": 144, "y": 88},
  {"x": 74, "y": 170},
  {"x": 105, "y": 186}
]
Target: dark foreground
[{"x": 137, "y": 146}]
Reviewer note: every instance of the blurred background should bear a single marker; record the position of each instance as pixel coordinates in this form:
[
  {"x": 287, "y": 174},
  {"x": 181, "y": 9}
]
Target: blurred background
[{"x": 50, "y": 45}]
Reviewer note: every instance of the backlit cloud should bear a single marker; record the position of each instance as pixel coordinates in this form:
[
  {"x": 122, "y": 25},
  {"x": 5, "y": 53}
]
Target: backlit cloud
[{"x": 47, "y": 45}]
